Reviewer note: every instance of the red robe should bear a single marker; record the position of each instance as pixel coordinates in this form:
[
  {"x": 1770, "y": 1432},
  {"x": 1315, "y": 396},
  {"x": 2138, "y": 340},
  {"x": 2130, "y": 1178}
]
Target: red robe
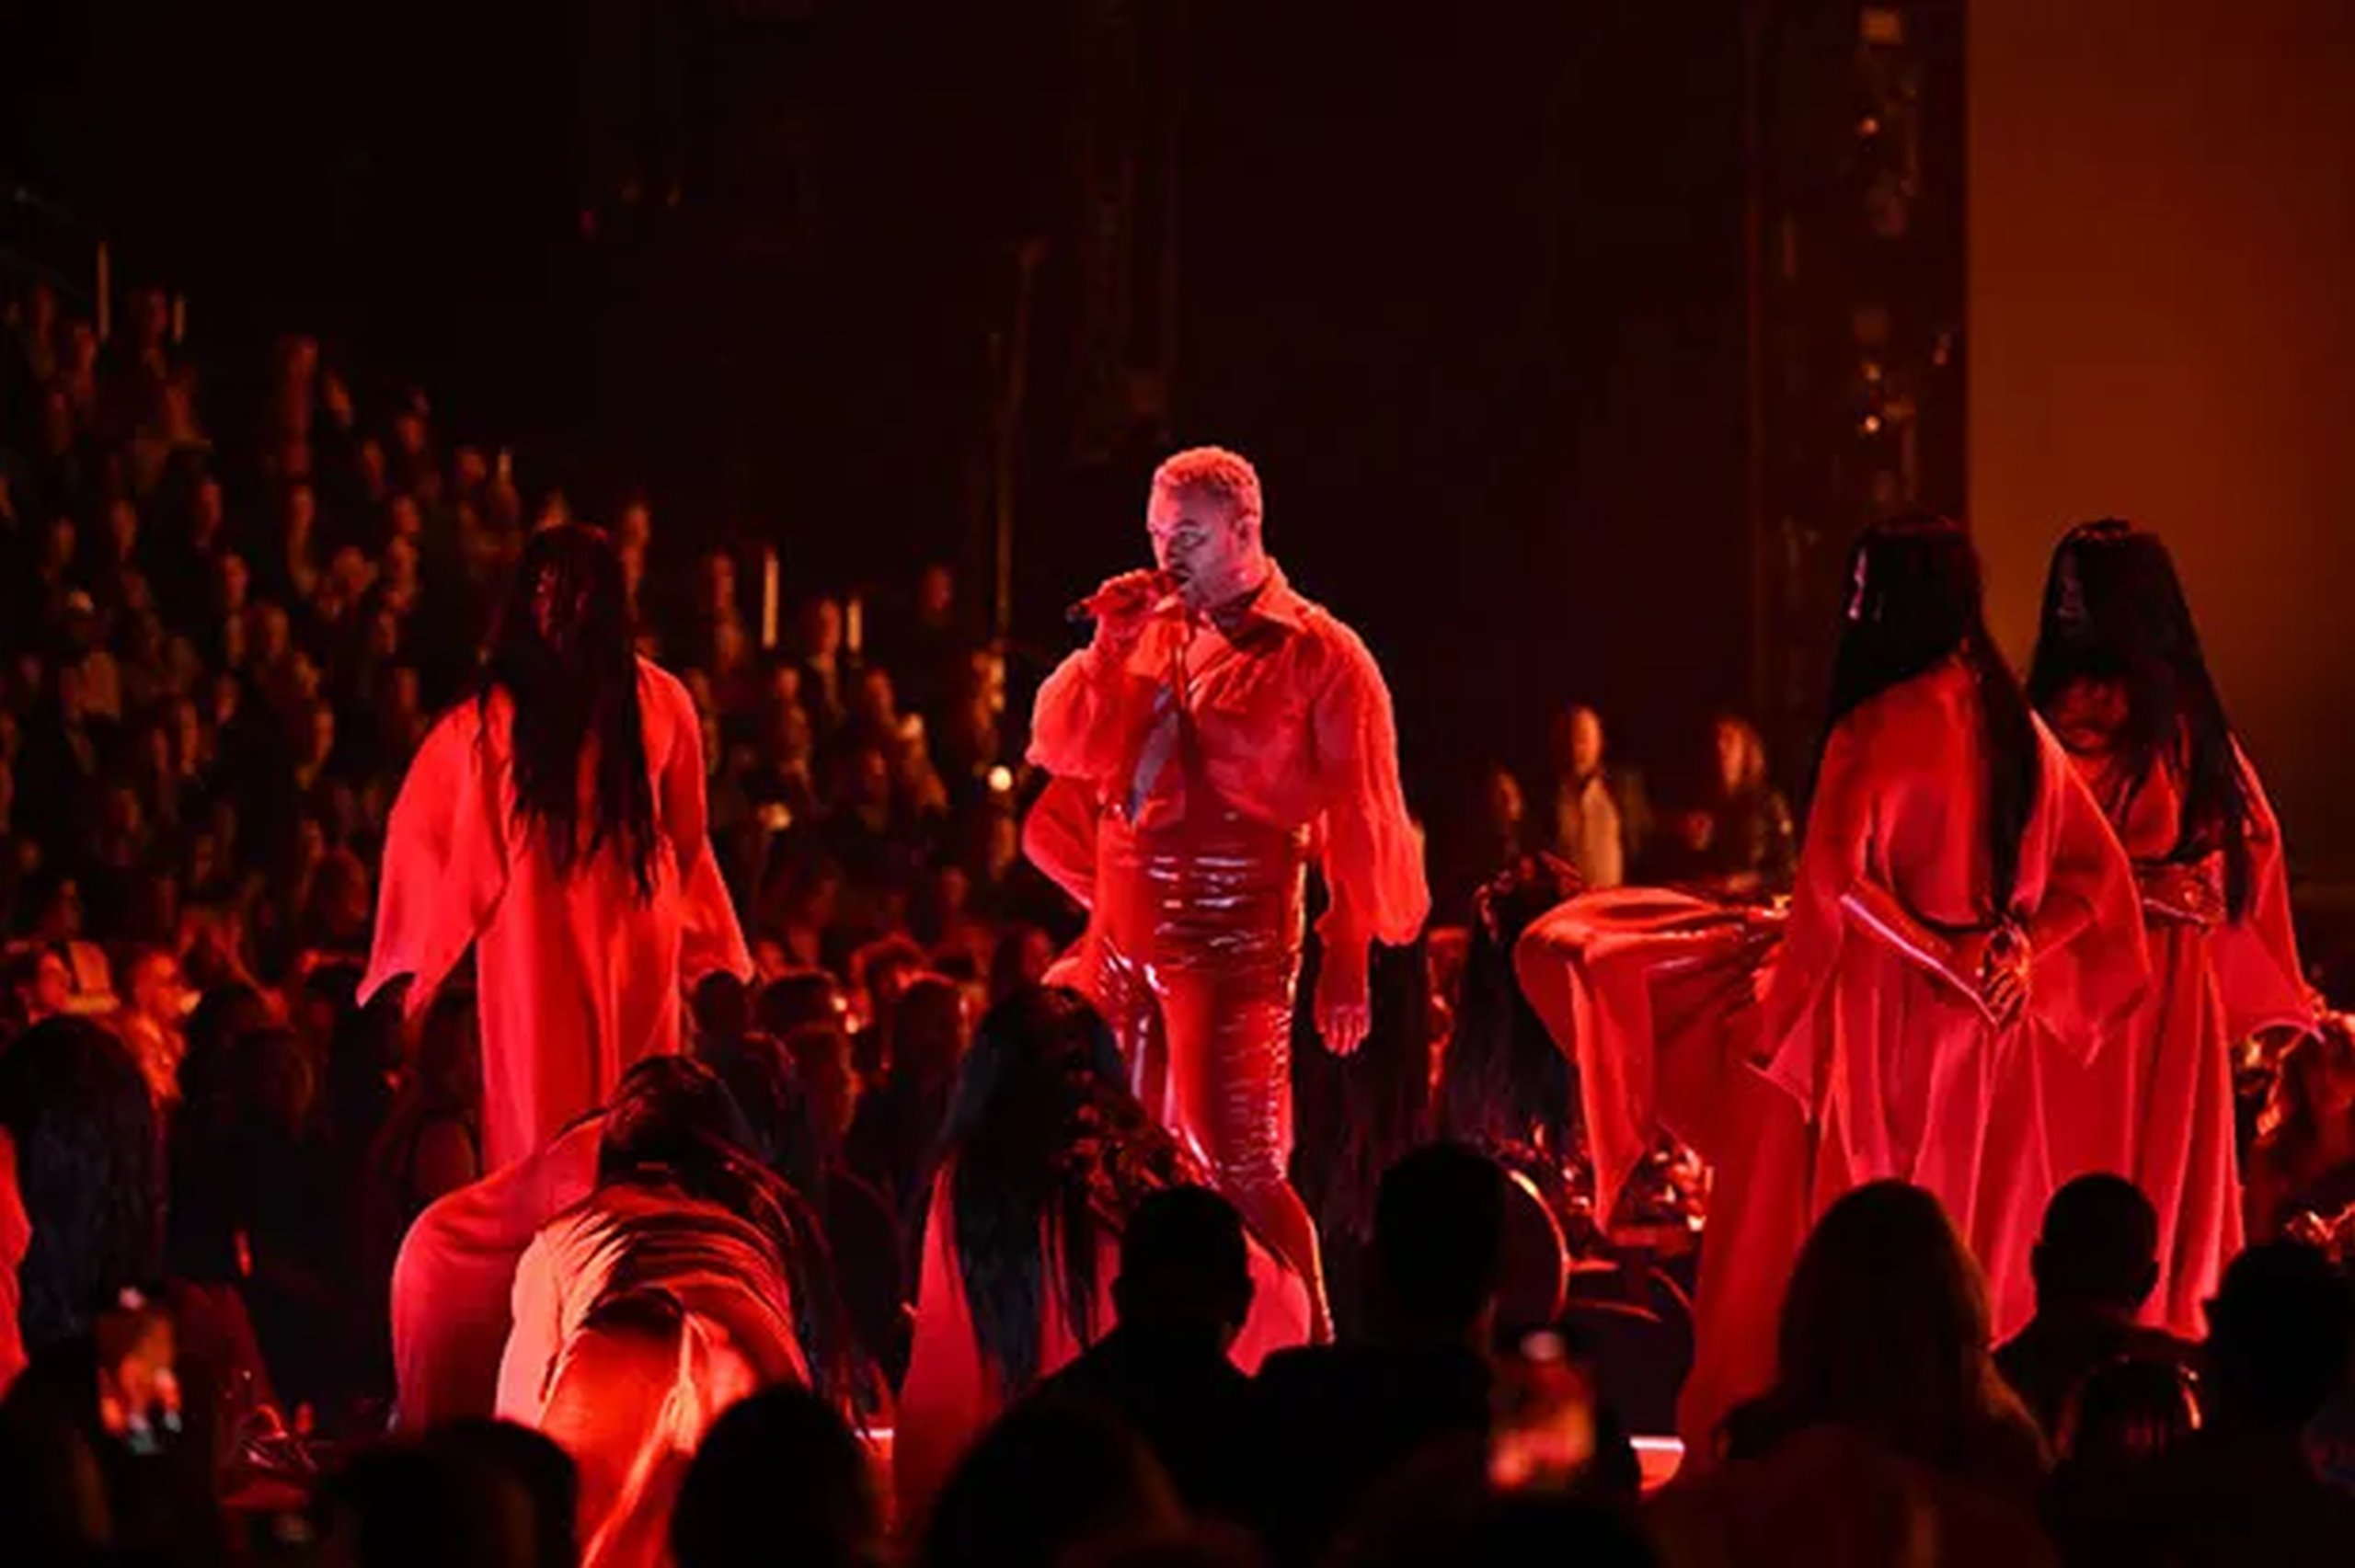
[
  {"x": 2156, "y": 1103},
  {"x": 1857, "y": 1063},
  {"x": 578, "y": 977},
  {"x": 952, "y": 1394}
]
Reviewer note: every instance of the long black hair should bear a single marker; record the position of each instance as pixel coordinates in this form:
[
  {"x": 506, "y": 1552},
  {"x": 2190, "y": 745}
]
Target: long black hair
[
  {"x": 1913, "y": 602},
  {"x": 88, "y": 1168},
  {"x": 1046, "y": 1142},
  {"x": 2115, "y": 613},
  {"x": 673, "y": 1122},
  {"x": 564, "y": 653}
]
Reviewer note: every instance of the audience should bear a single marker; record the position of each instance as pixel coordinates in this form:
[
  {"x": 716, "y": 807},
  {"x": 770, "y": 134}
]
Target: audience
[
  {"x": 2094, "y": 1265},
  {"x": 1888, "y": 1433},
  {"x": 1048, "y": 1482},
  {"x": 2244, "y": 1489},
  {"x": 1333, "y": 1422},
  {"x": 244, "y": 1223},
  {"x": 1182, "y": 1296},
  {"x": 780, "y": 1467}
]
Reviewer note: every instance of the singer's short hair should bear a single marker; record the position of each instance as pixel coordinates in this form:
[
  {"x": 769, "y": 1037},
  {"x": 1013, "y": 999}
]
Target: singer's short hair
[{"x": 1214, "y": 471}]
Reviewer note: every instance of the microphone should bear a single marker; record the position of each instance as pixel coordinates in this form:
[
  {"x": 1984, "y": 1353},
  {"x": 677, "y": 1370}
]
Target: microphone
[{"x": 1092, "y": 608}]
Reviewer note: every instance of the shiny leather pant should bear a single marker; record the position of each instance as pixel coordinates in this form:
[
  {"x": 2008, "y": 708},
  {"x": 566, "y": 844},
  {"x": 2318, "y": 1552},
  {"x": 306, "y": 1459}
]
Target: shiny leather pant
[{"x": 1195, "y": 959}]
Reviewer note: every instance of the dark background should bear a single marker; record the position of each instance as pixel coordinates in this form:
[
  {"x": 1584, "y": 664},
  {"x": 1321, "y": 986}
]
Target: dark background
[{"x": 1467, "y": 282}]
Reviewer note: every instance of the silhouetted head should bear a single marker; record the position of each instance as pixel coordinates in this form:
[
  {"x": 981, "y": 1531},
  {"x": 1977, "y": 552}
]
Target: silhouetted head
[
  {"x": 424, "y": 1502},
  {"x": 534, "y": 1463},
  {"x": 1050, "y": 1478},
  {"x": 2279, "y": 1333},
  {"x": 2128, "y": 1412},
  {"x": 1184, "y": 1267},
  {"x": 796, "y": 998},
  {"x": 1439, "y": 1242},
  {"x": 781, "y": 1469},
  {"x": 2099, "y": 1248},
  {"x": 1885, "y": 1326}
]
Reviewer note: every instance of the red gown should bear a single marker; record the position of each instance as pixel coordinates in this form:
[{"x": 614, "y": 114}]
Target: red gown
[
  {"x": 577, "y": 977},
  {"x": 951, "y": 1393},
  {"x": 1856, "y": 1063},
  {"x": 1220, "y": 764},
  {"x": 2156, "y": 1102}
]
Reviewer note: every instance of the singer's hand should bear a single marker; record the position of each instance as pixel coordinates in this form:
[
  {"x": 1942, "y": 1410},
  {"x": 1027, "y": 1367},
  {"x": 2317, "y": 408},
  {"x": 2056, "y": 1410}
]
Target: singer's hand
[
  {"x": 1344, "y": 998},
  {"x": 1121, "y": 606}
]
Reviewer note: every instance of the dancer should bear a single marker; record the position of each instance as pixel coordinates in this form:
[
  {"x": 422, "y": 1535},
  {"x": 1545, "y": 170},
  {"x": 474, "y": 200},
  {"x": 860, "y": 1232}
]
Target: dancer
[
  {"x": 1962, "y": 910},
  {"x": 557, "y": 819},
  {"x": 688, "y": 1279},
  {"x": 1227, "y": 728},
  {"x": 2120, "y": 678}
]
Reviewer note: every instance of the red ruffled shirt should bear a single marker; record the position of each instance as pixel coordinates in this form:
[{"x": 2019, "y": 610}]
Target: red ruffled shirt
[{"x": 1286, "y": 719}]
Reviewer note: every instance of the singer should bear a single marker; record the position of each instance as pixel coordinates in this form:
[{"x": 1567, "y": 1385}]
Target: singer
[{"x": 1226, "y": 730}]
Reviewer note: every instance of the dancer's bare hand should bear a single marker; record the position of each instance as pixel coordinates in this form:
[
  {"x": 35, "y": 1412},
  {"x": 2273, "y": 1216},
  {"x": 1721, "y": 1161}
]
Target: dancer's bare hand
[
  {"x": 1997, "y": 965},
  {"x": 1344, "y": 1005}
]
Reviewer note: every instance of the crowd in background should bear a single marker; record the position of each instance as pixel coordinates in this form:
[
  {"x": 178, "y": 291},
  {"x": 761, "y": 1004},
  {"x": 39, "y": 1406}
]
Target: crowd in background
[{"x": 228, "y": 620}]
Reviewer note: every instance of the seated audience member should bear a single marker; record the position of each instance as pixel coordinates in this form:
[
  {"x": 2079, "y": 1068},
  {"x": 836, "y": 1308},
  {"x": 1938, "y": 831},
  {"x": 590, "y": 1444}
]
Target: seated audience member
[
  {"x": 2243, "y": 1488},
  {"x": 2122, "y": 1419},
  {"x": 1049, "y": 1483},
  {"x": 535, "y": 1461},
  {"x": 2094, "y": 1265},
  {"x": 1182, "y": 1296},
  {"x": 1333, "y": 1421},
  {"x": 1888, "y": 1437},
  {"x": 418, "y": 1501},
  {"x": 2302, "y": 1172},
  {"x": 780, "y": 1476}
]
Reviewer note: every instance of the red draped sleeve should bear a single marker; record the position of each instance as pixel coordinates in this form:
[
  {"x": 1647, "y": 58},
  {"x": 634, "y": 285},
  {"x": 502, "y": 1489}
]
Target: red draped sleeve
[
  {"x": 2257, "y": 967},
  {"x": 1373, "y": 857},
  {"x": 2091, "y": 960},
  {"x": 445, "y": 862},
  {"x": 710, "y": 938},
  {"x": 1059, "y": 836}
]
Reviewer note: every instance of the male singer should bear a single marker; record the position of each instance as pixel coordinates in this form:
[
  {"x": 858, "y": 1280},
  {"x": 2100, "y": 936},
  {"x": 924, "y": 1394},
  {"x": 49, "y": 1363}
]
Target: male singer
[{"x": 1226, "y": 729}]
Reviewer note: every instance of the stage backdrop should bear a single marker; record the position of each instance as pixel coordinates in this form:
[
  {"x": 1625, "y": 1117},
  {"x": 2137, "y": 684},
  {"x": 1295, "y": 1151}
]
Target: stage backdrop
[{"x": 2161, "y": 324}]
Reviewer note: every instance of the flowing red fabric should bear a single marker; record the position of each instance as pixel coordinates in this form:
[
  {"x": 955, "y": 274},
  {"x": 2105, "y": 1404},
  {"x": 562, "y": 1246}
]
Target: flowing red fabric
[
  {"x": 641, "y": 1316},
  {"x": 15, "y": 1240},
  {"x": 1654, "y": 995},
  {"x": 2156, "y": 1102},
  {"x": 453, "y": 1281},
  {"x": 578, "y": 977},
  {"x": 1858, "y": 1063},
  {"x": 951, "y": 1393},
  {"x": 1058, "y": 838}
]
